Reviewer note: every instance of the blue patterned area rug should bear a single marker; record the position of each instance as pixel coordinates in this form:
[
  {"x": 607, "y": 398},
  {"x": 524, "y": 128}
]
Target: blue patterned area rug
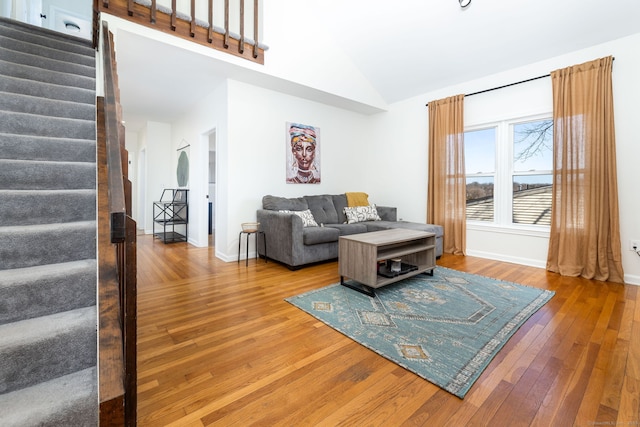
[{"x": 445, "y": 328}]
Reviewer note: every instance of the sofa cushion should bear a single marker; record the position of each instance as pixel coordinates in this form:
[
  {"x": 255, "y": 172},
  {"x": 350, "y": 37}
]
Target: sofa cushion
[
  {"x": 275, "y": 203},
  {"x": 340, "y": 202},
  {"x": 322, "y": 209},
  {"x": 430, "y": 228},
  {"x": 361, "y": 213},
  {"x": 316, "y": 235},
  {"x": 306, "y": 216},
  {"x": 378, "y": 225},
  {"x": 346, "y": 229}
]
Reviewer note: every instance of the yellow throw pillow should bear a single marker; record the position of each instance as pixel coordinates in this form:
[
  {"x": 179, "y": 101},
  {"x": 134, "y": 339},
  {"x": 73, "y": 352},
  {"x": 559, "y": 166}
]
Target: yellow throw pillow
[{"x": 357, "y": 199}]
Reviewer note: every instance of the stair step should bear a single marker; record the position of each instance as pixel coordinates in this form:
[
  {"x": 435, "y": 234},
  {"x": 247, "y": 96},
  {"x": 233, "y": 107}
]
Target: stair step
[
  {"x": 28, "y": 246},
  {"x": 21, "y": 103},
  {"x": 30, "y": 207},
  {"x": 54, "y": 345},
  {"x": 39, "y": 175},
  {"x": 57, "y": 127},
  {"x": 13, "y": 39},
  {"x": 31, "y": 292},
  {"x": 71, "y": 400},
  {"x": 38, "y": 74},
  {"x": 32, "y": 60},
  {"x": 47, "y": 90},
  {"x": 45, "y": 37},
  {"x": 26, "y": 147}
]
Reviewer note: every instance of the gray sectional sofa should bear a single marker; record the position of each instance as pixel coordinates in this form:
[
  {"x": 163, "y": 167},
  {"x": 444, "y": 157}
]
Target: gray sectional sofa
[{"x": 295, "y": 245}]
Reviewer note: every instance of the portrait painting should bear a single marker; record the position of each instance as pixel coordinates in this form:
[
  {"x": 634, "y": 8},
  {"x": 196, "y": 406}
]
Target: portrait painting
[{"x": 303, "y": 153}]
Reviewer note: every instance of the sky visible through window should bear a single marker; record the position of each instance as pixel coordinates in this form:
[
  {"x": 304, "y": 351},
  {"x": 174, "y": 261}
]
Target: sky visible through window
[{"x": 480, "y": 151}]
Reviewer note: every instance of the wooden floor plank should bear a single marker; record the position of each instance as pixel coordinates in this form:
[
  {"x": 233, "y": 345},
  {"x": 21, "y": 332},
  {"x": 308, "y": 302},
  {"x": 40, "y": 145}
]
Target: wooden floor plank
[{"x": 219, "y": 345}]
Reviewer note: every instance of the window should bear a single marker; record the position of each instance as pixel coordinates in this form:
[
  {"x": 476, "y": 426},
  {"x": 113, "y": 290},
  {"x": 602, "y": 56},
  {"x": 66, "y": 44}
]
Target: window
[
  {"x": 509, "y": 172},
  {"x": 480, "y": 169}
]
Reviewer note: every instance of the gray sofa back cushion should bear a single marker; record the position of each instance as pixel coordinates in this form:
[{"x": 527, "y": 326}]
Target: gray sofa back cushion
[
  {"x": 275, "y": 203},
  {"x": 340, "y": 202},
  {"x": 322, "y": 208}
]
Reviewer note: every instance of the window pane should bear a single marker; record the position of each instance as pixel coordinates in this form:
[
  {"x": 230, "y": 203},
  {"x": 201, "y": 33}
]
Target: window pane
[
  {"x": 532, "y": 146},
  {"x": 479, "y": 151},
  {"x": 480, "y": 198},
  {"x": 532, "y": 199}
]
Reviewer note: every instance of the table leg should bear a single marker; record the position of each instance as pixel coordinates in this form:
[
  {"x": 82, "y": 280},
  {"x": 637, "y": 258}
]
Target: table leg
[{"x": 363, "y": 289}]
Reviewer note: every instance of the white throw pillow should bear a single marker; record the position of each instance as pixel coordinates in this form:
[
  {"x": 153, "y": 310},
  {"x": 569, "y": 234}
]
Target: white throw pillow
[
  {"x": 361, "y": 213},
  {"x": 306, "y": 216}
]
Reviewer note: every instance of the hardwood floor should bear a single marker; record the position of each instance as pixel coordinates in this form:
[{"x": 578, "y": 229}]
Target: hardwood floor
[{"x": 218, "y": 345}]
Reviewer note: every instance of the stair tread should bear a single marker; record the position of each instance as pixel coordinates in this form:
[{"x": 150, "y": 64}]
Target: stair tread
[
  {"x": 37, "y": 228},
  {"x": 22, "y": 103},
  {"x": 19, "y": 162},
  {"x": 28, "y": 330},
  {"x": 26, "y": 207},
  {"x": 17, "y": 84},
  {"x": 19, "y": 275},
  {"x": 32, "y": 147},
  {"x": 45, "y": 63},
  {"x": 29, "y": 72},
  {"x": 42, "y": 174},
  {"x": 34, "y": 124},
  {"x": 46, "y": 289},
  {"x": 8, "y": 40},
  {"x": 47, "y": 402},
  {"x": 44, "y": 139}
]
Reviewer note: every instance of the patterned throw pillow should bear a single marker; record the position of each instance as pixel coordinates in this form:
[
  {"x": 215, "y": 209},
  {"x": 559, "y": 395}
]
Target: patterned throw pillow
[
  {"x": 306, "y": 216},
  {"x": 361, "y": 213}
]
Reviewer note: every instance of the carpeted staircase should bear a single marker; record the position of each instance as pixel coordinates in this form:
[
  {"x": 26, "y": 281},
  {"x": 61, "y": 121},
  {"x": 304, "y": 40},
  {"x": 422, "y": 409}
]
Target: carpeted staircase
[{"x": 48, "y": 337}]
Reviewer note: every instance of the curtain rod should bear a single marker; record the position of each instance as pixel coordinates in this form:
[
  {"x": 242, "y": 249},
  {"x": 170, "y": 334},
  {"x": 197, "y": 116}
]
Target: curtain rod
[
  {"x": 503, "y": 86},
  {"x": 507, "y": 85}
]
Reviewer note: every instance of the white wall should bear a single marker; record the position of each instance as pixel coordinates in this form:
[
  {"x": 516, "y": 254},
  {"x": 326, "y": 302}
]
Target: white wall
[{"x": 156, "y": 139}]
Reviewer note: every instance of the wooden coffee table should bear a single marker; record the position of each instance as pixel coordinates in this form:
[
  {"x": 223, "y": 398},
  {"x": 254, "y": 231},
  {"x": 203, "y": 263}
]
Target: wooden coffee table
[{"x": 359, "y": 256}]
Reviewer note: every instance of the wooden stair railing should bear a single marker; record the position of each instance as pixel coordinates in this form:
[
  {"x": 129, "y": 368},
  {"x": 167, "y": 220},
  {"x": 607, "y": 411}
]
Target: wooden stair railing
[
  {"x": 117, "y": 295},
  {"x": 185, "y": 26}
]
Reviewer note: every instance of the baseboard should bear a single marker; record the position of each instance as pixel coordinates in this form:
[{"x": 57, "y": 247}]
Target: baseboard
[
  {"x": 629, "y": 279},
  {"x": 512, "y": 259},
  {"x": 632, "y": 279}
]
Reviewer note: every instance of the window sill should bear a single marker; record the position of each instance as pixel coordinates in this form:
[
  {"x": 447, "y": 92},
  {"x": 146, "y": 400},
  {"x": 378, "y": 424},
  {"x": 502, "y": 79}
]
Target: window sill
[{"x": 519, "y": 230}]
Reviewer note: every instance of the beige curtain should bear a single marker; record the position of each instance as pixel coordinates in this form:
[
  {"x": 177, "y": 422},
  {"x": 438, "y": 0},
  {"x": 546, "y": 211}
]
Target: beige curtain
[
  {"x": 446, "y": 203},
  {"x": 585, "y": 230}
]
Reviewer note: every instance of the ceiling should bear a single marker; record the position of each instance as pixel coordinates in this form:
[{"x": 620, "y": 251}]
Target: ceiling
[
  {"x": 430, "y": 44},
  {"x": 403, "y": 48}
]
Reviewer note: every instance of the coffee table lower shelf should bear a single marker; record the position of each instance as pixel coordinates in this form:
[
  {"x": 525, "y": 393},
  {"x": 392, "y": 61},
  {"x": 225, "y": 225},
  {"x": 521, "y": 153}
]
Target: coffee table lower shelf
[{"x": 382, "y": 281}]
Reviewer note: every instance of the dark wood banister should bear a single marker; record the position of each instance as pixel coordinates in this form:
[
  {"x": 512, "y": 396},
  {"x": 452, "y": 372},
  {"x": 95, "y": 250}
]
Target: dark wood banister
[
  {"x": 117, "y": 295},
  {"x": 186, "y": 26}
]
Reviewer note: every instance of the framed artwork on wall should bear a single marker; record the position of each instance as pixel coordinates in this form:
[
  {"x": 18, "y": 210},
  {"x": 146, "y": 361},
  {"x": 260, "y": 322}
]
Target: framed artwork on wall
[{"x": 303, "y": 154}]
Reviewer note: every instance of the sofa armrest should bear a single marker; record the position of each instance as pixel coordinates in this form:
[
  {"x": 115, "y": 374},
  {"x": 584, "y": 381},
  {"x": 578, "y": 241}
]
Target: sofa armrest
[
  {"x": 283, "y": 232},
  {"x": 387, "y": 213}
]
